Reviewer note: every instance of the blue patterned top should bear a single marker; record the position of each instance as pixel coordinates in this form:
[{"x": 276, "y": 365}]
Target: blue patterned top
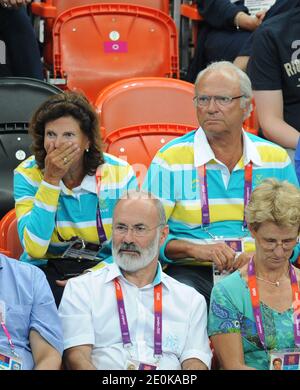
[{"x": 231, "y": 312}]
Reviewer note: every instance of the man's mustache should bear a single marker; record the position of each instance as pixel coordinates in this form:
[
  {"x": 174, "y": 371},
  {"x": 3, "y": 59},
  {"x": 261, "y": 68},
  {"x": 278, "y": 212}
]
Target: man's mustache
[{"x": 129, "y": 247}]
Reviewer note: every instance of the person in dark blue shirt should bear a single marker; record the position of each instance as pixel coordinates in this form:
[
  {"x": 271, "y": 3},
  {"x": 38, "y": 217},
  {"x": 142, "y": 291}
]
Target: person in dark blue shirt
[
  {"x": 227, "y": 32},
  {"x": 22, "y": 57}
]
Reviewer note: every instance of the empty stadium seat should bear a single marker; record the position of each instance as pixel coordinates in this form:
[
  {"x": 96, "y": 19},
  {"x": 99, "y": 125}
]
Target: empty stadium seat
[
  {"x": 5, "y": 252},
  {"x": 145, "y": 100},
  {"x": 4, "y": 225},
  {"x": 50, "y": 9},
  {"x": 139, "y": 144},
  {"x": 9, "y": 239},
  {"x": 19, "y": 98},
  {"x": 13, "y": 242},
  {"x": 96, "y": 45}
]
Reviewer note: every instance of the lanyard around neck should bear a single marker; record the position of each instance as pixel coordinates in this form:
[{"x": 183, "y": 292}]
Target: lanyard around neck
[
  {"x": 100, "y": 228},
  {"x": 157, "y": 318},
  {"x": 8, "y": 336},
  {"x": 256, "y": 306},
  {"x": 204, "y": 193}
]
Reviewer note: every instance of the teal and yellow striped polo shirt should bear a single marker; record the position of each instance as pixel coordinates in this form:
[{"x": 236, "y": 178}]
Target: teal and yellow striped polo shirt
[
  {"x": 173, "y": 178},
  {"x": 43, "y": 209}
]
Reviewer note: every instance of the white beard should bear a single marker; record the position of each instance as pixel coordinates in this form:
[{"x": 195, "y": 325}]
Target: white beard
[{"x": 133, "y": 263}]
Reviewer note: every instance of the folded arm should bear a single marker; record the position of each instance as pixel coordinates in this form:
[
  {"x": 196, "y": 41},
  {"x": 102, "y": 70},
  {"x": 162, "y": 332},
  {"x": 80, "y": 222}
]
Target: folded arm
[{"x": 218, "y": 253}]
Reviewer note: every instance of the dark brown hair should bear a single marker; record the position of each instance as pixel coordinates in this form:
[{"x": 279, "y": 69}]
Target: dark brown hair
[{"x": 77, "y": 106}]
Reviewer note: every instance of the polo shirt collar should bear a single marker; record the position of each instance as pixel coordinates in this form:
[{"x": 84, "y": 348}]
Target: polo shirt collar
[
  {"x": 203, "y": 153},
  {"x": 115, "y": 272},
  {"x": 250, "y": 151},
  {"x": 88, "y": 184}
]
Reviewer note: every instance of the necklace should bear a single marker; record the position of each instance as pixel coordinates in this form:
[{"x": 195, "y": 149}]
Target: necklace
[{"x": 268, "y": 281}]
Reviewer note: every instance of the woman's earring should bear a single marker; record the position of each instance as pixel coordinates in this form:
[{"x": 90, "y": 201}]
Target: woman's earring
[{"x": 87, "y": 150}]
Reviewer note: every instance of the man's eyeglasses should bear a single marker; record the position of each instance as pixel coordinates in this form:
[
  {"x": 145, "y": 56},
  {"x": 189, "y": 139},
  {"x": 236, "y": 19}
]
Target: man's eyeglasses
[
  {"x": 137, "y": 230},
  {"x": 270, "y": 244},
  {"x": 204, "y": 100}
]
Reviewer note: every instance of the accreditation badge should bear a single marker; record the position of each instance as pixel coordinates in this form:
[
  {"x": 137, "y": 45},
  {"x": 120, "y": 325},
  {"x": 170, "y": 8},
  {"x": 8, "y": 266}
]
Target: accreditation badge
[
  {"x": 237, "y": 245},
  {"x": 287, "y": 359},
  {"x": 8, "y": 361},
  {"x": 132, "y": 364}
]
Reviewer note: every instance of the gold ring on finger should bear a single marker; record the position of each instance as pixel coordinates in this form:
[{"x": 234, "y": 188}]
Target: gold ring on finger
[{"x": 65, "y": 160}]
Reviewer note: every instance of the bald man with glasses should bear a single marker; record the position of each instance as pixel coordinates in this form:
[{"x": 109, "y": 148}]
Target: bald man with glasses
[
  {"x": 131, "y": 315},
  {"x": 206, "y": 177}
]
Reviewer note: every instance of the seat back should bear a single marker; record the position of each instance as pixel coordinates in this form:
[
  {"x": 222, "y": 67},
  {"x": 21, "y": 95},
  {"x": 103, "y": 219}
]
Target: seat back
[
  {"x": 14, "y": 148},
  {"x": 145, "y": 100},
  {"x": 13, "y": 241},
  {"x": 139, "y": 144},
  {"x": 19, "y": 98},
  {"x": 112, "y": 42},
  {"x": 4, "y": 225},
  {"x": 64, "y": 5},
  {"x": 50, "y": 9},
  {"x": 9, "y": 239}
]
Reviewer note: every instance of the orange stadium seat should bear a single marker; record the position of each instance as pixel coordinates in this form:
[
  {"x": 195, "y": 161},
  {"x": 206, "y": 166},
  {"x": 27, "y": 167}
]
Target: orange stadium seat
[
  {"x": 50, "y": 9},
  {"x": 95, "y": 45},
  {"x": 138, "y": 144},
  {"x": 145, "y": 100},
  {"x": 9, "y": 239},
  {"x": 13, "y": 242},
  {"x": 5, "y": 252},
  {"x": 4, "y": 225}
]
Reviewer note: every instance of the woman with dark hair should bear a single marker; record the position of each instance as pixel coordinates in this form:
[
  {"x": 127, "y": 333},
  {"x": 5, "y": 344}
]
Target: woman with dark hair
[{"x": 65, "y": 193}]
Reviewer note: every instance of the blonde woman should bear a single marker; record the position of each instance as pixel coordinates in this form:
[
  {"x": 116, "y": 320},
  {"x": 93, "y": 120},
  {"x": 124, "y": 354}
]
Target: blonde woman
[{"x": 254, "y": 310}]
